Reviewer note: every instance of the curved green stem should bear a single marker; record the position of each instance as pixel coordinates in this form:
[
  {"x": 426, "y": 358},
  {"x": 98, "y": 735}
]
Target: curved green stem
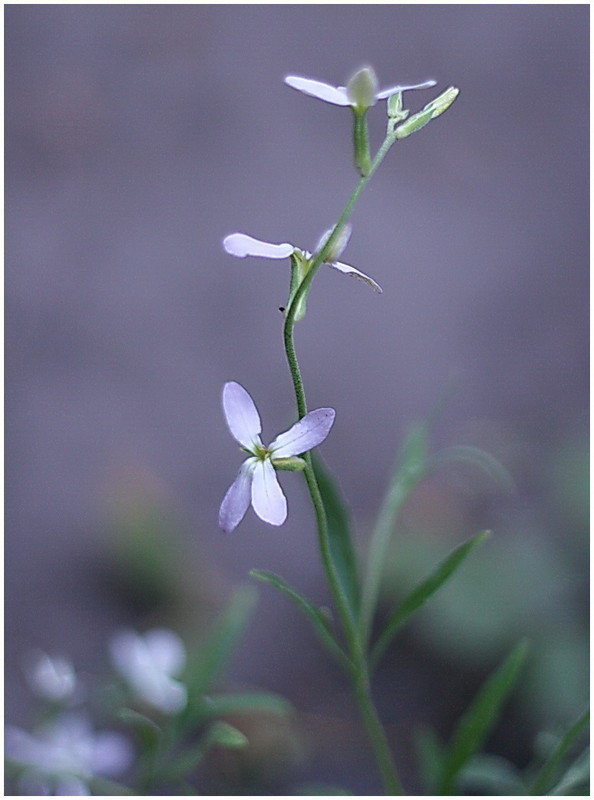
[{"x": 354, "y": 639}]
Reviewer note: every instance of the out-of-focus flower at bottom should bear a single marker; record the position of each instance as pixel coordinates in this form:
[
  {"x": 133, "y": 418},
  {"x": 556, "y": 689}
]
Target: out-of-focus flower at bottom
[
  {"x": 62, "y": 758},
  {"x": 148, "y": 664}
]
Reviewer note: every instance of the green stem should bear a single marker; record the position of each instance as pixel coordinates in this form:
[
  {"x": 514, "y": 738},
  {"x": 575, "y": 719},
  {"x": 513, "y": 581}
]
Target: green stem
[
  {"x": 376, "y": 734},
  {"x": 355, "y": 642}
]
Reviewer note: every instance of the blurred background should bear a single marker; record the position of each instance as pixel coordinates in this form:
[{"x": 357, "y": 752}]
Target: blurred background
[{"x": 137, "y": 137}]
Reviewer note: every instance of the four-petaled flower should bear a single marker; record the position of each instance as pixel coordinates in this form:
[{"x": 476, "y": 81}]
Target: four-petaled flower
[
  {"x": 63, "y": 757},
  {"x": 148, "y": 663},
  {"x": 361, "y": 91},
  {"x": 256, "y": 481},
  {"x": 242, "y": 245}
]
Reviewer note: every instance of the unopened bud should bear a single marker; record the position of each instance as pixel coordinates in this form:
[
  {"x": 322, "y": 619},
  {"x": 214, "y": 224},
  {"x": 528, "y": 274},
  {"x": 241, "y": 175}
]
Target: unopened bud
[
  {"x": 292, "y": 464},
  {"x": 431, "y": 111},
  {"x": 395, "y": 110},
  {"x": 362, "y": 88}
]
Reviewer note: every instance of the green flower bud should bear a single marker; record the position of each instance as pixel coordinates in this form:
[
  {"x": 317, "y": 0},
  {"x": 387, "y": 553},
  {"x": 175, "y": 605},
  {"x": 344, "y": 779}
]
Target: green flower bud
[
  {"x": 292, "y": 464},
  {"x": 395, "y": 110},
  {"x": 362, "y": 89},
  {"x": 429, "y": 112}
]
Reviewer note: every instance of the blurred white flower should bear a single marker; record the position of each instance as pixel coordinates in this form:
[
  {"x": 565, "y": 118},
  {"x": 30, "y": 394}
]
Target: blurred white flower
[
  {"x": 360, "y": 92},
  {"x": 52, "y": 678},
  {"x": 242, "y": 245},
  {"x": 149, "y": 663},
  {"x": 62, "y": 757},
  {"x": 256, "y": 481}
]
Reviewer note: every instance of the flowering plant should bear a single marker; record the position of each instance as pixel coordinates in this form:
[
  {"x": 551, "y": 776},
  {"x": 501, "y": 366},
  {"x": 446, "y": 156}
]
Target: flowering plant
[{"x": 350, "y": 634}]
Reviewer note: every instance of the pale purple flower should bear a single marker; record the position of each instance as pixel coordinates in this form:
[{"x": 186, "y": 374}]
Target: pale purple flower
[
  {"x": 148, "y": 663},
  {"x": 256, "y": 482},
  {"x": 242, "y": 245},
  {"x": 63, "y": 757},
  {"x": 52, "y": 678},
  {"x": 360, "y": 92}
]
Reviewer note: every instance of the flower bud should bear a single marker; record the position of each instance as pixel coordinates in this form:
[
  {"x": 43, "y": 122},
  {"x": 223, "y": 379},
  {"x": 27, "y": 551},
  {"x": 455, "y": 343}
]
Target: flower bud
[
  {"x": 362, "y": 89},
  {"x": 292, "y": 464},
  {"x": 395, "y": 110},
  {"x": 429, "y": 112}
]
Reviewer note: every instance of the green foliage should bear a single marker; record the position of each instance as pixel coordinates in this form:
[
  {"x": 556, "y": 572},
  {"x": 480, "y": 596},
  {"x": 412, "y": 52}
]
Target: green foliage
[
  {"x": 551, "y": 766},
  {"x": 423, "y": 592},
  {"x": 315, "y": 615},
  {"x": 214, "y": 652},
  {"x": 477, "y": 722},
  {"x": 339, "y": 533}
]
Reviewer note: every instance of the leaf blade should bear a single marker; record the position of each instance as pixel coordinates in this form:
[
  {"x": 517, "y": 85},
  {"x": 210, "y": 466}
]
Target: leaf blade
[
  {"x": 422, "y": 592},
  {"x": 544, "y": 778},
  {"x": 315, "y": 616},
  {"x": 480, "y": 717},
  {"x": 339, "y": 533}
]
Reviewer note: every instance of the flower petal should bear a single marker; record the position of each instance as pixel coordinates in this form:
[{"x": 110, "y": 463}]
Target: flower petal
[
  {"x": 323, "y": 91},
  {"x": 348, "y": 270},
  {"x": 242, "y": 245},
  {"x": 338, "y": 246},
  {"x": 305, "y": 434},
  {"x": 268, "y": 499},
  {"x": 387, "y": 92},
  {"x": 167, "y": 650},
  {"x": 242, "y": 415},
  {"x": 237, "y": 499}
]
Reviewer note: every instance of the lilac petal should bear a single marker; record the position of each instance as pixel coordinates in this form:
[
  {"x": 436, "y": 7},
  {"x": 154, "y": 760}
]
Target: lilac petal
[
  {"x": 242, "y": 415},
  {"x": 323, "y": 91},
  {"x": 268, "y": 499},
  {"x": 387, "y": 92},
  {"x": 346, "y": 269},
  {"x": 305, "y": 434},
  {"x": 237, "y": 499},
  {"x": 338, "y": 246},
  {"x": 166, "y": 650},
  {"x": 242, "y": 245}
]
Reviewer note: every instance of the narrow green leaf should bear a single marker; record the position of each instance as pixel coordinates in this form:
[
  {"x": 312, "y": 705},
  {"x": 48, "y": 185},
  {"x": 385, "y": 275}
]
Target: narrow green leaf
[
  {"x": 339, "y": 532},
  {"x": 421, "y": 593},
  {"x": 315, "y": 615},
  {"x": 576, "y": 780},
  {"x": 547, "y": 773},
  {"x": 479, "y": 719},
  {"x": 222, "y": 734},
  {"x": 215, "y": 651},
  {"x": 490, "y": 775},
  {"x": 430, "y": 753},
  {"x": 478, "y": 458},
  {"x": 147, "y": 731},
  {"x": 409, "y": 470},
  {"x": 222, "y": 705}
]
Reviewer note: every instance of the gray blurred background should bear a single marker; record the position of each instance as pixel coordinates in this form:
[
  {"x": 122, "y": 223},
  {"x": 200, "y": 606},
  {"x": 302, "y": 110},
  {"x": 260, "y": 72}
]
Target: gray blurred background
[{"x": 136, "y": 138}]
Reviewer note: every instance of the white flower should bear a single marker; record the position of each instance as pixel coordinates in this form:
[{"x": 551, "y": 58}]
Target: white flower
[
  {"x": 51, "y": 678},
  {"x": 242, "y": 245},
  {"x": 66, "y": 755},
  {"x": 360, "y": 92},
  {"x": 257, "y": 482},
  {"x": 148, "y": 663}
]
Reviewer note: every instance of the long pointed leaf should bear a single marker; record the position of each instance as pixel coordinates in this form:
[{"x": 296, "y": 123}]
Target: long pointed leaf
[
  {"x": 421, "y": 593},
  {"x": 547, "y": 773},
  {"x": 478, "y": 458},
  {"x": 576, "y": 779},
  {"x": 409, "y": 470},
  {"x": 482, "y": 714},
  {"x": 315, "y": 616},
  {"x": 215, "y": 651},
  {"x": 339, "y": 533},
  {"x": 222, "y": 705}
]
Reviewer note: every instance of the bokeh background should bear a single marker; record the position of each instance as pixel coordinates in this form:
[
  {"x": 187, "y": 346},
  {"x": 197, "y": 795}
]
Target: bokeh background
[{"x": 137, "y": 136}]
